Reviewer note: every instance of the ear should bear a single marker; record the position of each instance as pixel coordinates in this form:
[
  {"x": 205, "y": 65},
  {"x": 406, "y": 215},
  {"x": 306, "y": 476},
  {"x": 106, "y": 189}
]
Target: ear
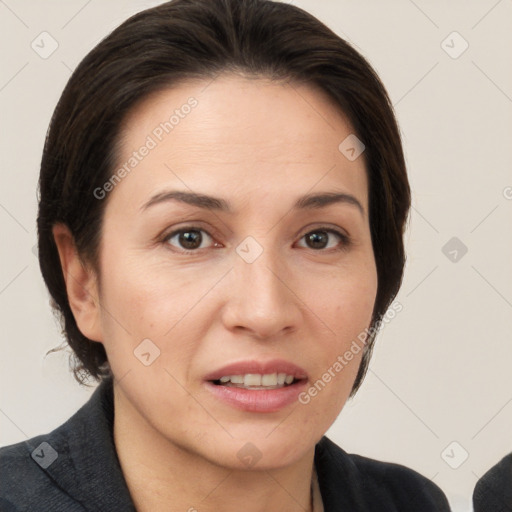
[{"x": 81, "y": 285}]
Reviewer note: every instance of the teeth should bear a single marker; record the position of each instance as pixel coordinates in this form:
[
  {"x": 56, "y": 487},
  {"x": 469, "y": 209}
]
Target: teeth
[
  {"x": 252, "y": 379},
  {"x": 269, "y": 380},
  {"x": 257, "y": 380}
]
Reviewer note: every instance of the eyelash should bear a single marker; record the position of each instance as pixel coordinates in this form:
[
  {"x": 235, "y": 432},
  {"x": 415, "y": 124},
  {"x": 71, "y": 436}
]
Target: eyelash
[{"x": 344, "y": 245}]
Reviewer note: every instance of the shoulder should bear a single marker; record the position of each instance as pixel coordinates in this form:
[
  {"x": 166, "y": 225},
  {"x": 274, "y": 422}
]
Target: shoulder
[
  {"x": 400, "y": 484},
  {"x": 378, "y": 485},
  {"x": 72, "y": 469},
  {"x": 25, "y": 485},
  {"x": 493, "y": 492},
  {"x": 53, "y": 471}
]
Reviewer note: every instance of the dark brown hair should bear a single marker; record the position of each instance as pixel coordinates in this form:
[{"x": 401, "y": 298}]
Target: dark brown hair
[{"x": 185, "y": 39}]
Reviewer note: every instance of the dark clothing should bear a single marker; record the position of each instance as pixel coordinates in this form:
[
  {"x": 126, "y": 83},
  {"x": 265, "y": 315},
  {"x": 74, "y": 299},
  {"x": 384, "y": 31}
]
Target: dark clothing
[
  {"x": 493, "y": 492},
  {"x": 77, "y": 469}
]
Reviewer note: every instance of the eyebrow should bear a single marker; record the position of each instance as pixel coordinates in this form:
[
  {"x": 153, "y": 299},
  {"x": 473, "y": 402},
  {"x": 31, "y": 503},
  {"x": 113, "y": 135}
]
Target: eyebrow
[{"x": 309, "y": 201}]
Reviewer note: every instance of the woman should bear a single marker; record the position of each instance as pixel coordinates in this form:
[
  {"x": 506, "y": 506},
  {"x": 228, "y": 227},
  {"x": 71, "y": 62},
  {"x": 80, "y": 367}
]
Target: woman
[{"x": 223, "y": 196}]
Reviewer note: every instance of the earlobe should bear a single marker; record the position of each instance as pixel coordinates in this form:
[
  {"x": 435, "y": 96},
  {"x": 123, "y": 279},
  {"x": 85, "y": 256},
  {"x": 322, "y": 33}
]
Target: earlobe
[{"x": 81, "y": 285}]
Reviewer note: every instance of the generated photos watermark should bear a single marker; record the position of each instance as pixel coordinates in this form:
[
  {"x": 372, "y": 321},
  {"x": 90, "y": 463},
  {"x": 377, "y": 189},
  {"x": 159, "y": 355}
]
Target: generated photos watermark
[
  {"x": 344, "y": 359},
  {"x": 152, "y": 140}
]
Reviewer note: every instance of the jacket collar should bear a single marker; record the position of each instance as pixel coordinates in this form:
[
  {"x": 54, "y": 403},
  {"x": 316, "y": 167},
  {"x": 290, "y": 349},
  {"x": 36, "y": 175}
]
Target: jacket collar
[{"x": 87, "y": 467}]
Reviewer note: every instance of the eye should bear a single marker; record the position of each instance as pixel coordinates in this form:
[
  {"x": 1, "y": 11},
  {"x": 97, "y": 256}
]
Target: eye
[
  {"x": 318, "y": 239},
  {"x": 188, "y": 238}
]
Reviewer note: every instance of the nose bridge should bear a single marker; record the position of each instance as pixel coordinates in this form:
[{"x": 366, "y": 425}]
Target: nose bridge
[
  {"x": 258, "y": 270},
  {"x": 259, "y": 299}
]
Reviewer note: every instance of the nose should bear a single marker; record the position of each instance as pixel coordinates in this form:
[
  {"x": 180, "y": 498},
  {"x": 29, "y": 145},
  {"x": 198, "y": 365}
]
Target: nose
[{"x": 261, "y": 298}]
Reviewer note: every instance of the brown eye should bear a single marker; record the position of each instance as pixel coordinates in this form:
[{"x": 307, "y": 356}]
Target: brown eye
[
  {"x": 187, "y": 239},
  {"x": 190, "y": 239},
  {"x": 320, "y": 238}
]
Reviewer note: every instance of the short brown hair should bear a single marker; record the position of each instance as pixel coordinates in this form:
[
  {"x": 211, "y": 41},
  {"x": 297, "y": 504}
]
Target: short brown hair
[{"x": 184, "y": 39}]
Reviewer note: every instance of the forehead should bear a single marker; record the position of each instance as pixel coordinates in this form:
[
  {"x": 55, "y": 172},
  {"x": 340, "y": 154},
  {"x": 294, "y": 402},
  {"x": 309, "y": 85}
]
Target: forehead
[{"x": 237, "y": 134}]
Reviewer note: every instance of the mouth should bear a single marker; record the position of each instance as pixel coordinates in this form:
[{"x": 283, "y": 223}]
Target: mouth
[
  {"x": 257, "y": 386},
  {"x": 257, "y": 381}
]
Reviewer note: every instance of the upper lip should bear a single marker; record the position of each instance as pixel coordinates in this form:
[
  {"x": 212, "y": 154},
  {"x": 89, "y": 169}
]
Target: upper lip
[{"x": 260, "y": 367}]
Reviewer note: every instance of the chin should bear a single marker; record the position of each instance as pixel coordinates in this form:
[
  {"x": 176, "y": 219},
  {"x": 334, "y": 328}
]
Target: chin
[{"x": 266, "y": 451}]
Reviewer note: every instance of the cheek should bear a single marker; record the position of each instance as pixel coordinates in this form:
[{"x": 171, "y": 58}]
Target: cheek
[
  {"x": 345, "y": 301},
  {"x": 142, "y": 301},
  {"x": 354, "y": 304},
  {"x": 344, "y": 310}
]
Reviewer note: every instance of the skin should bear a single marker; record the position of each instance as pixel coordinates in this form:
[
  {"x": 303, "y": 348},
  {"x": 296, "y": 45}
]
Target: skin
[{"x": 260, "y": 145}]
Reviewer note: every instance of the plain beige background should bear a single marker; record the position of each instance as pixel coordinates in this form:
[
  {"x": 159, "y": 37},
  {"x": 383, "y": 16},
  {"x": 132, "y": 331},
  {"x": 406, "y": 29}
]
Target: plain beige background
[{"x": 438, "y": 397}]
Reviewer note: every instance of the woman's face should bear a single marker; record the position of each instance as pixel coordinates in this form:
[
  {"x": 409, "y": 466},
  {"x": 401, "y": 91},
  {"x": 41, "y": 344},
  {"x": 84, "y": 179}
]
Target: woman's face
[{"x": 266, "y": 287}]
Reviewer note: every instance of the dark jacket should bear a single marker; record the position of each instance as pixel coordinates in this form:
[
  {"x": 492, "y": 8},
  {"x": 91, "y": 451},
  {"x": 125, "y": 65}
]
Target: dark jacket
[
  {"x": 493, "y": 492},
  {"x": 75, "y": 468}
]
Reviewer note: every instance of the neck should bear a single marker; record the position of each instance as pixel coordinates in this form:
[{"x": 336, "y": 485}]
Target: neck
[{"x": 163, "y": 476}]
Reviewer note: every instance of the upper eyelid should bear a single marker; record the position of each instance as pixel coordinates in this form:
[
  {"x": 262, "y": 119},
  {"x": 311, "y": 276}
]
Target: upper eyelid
[
  {"x": 345, "y": 237},
  {"x": 305, "y": 231}
]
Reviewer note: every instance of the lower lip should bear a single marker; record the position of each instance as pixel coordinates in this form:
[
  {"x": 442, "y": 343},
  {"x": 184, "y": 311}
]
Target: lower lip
[{"x": 258, "y": 400}]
